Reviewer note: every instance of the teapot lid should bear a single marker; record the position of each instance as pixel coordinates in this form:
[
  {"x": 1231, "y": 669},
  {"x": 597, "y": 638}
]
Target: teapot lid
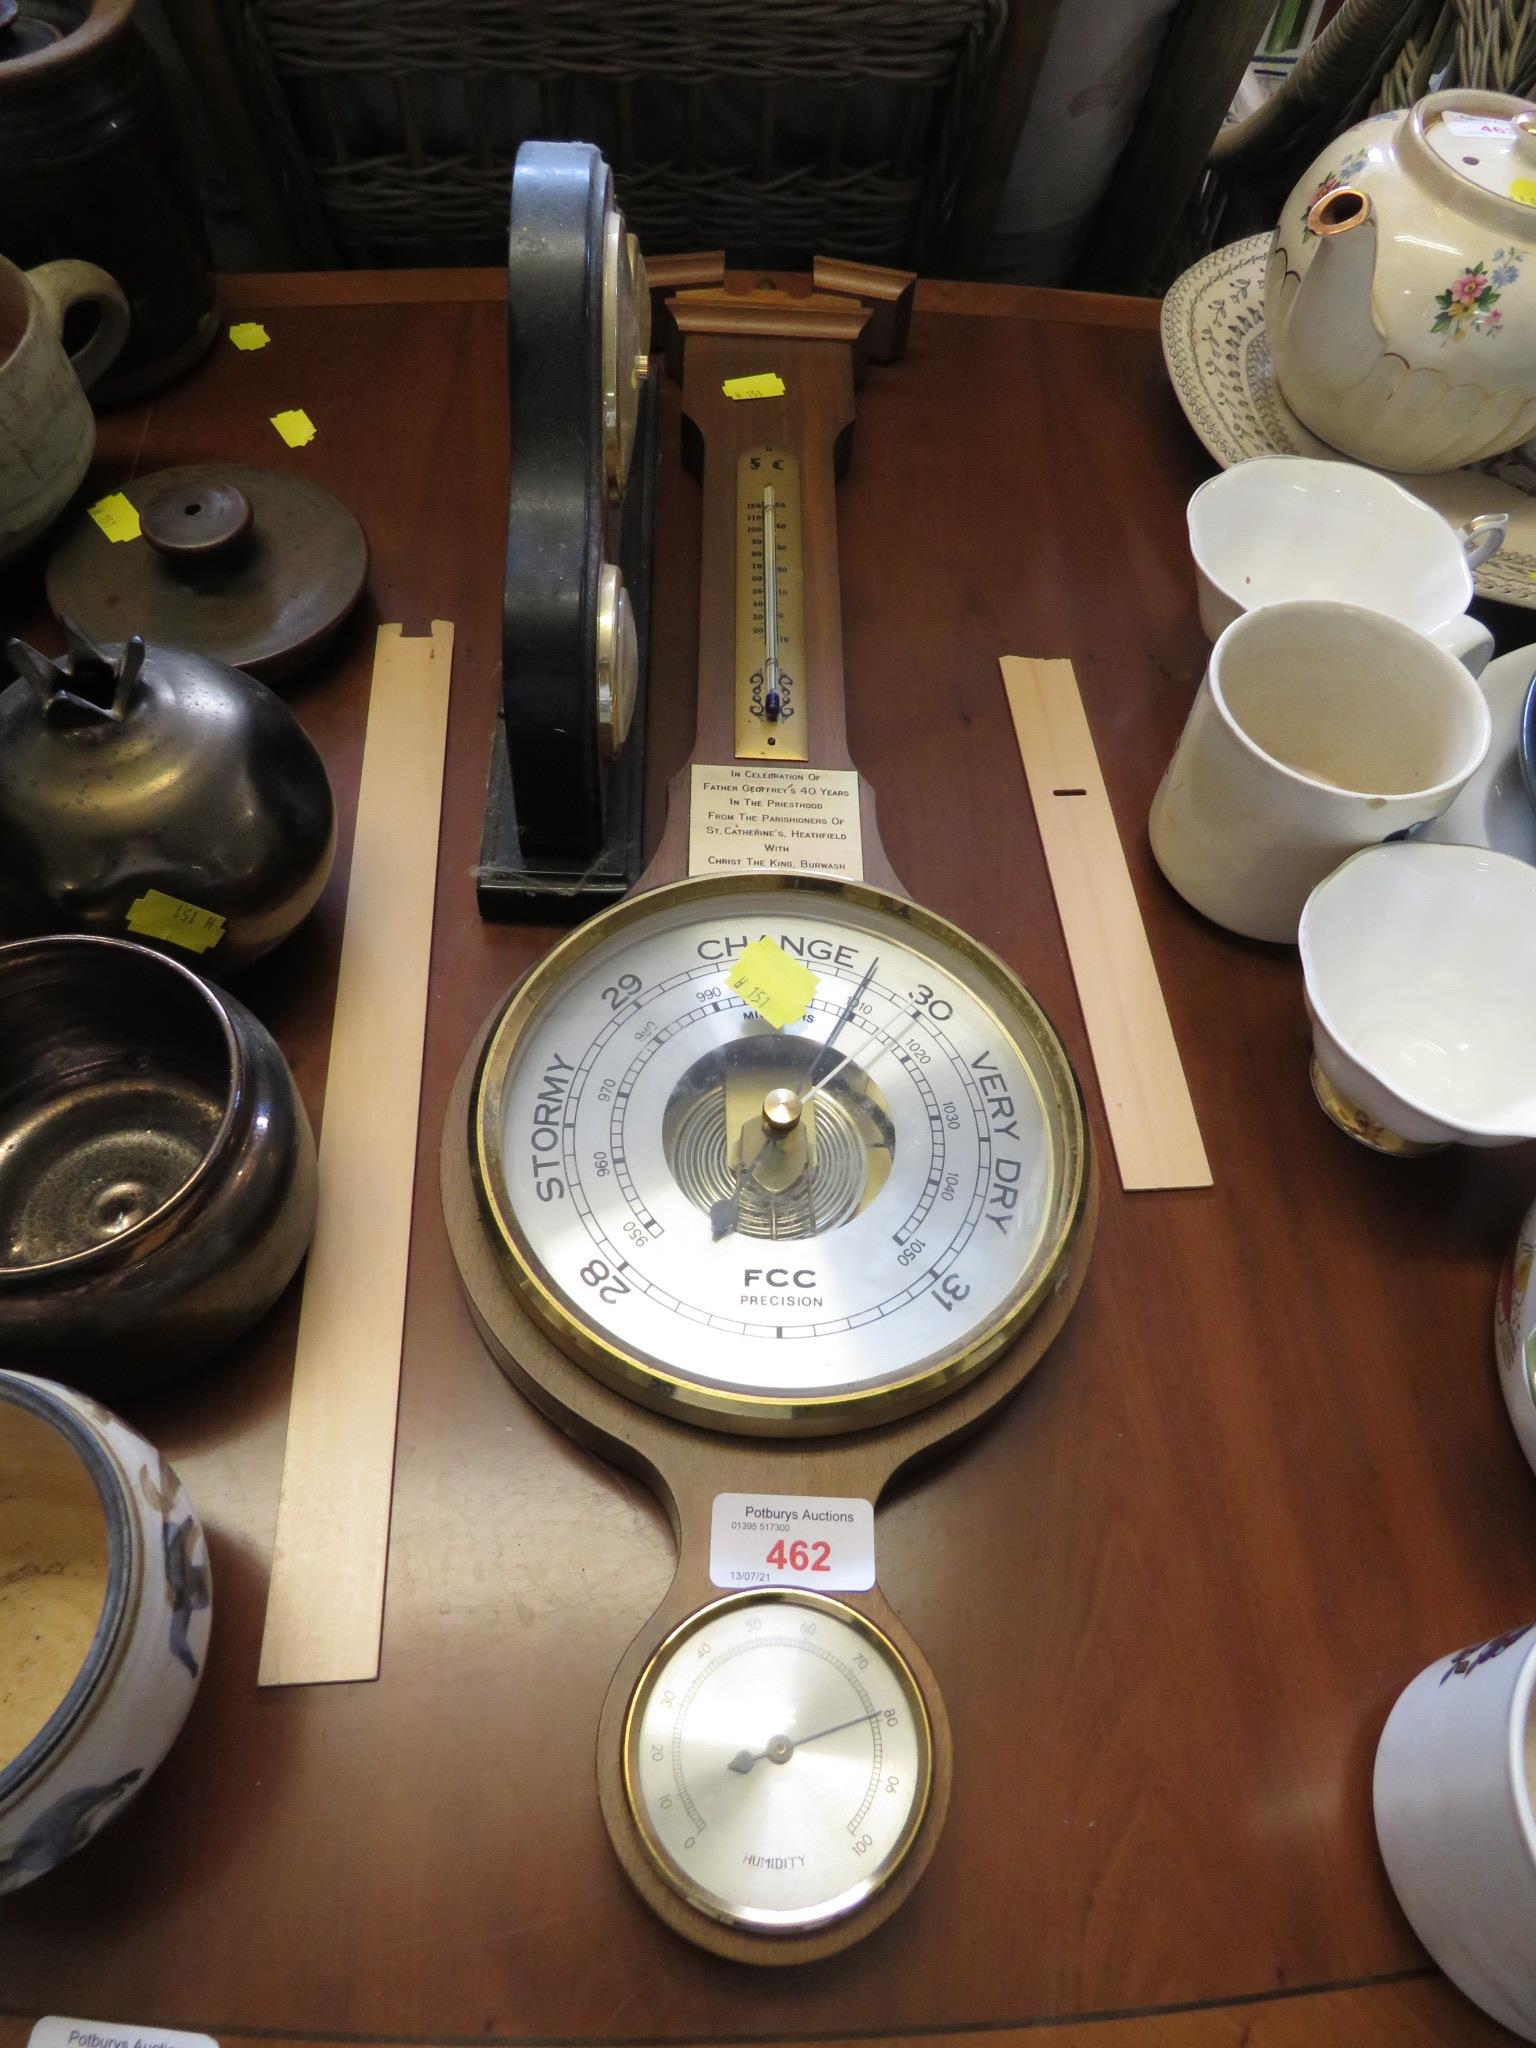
[
  {"x": 1496, "y": 151},
  {"x": 253, "y": 567}
]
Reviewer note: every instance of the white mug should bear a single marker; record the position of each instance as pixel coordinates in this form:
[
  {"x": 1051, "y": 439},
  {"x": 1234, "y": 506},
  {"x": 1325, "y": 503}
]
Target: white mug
[
  {"x": 1281, "y": 527},
  {"x": 1318, "y": 729},
  {"x": 1454, "y": 1820}
]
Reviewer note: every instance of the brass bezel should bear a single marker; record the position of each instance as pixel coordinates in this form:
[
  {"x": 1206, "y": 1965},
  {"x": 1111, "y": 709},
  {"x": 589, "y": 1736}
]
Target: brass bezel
[
  {"x": 685, "y": 1399},
  {"x": 712, "y": 1904}
]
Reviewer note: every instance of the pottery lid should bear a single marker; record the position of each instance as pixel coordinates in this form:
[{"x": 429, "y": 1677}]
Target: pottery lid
[
  {"x": 1496, "y": 151},
  {"x": 37, "y": 36},
  {"x": 24, "y": 34},
  {"x": 250, "y": 566}
]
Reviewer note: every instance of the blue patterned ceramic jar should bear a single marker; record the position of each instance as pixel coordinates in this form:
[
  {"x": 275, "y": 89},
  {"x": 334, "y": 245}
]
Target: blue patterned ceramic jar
[{"x": 105, "y": 1606}]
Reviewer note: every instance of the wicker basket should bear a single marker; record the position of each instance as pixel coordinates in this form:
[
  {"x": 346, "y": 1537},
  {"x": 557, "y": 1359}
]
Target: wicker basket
[{"x": 811, "y": 126}]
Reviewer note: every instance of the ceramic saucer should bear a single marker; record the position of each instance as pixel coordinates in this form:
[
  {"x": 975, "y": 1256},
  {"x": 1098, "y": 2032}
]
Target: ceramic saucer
[
  {"x": 1494, "y": 810},
  {"x": 1218, "y": 359}
]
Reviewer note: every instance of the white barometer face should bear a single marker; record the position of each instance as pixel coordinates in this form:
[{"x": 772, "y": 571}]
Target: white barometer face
[
  {"x": 777, "y": 1760},
  {"x": 803, "y": 1226}
]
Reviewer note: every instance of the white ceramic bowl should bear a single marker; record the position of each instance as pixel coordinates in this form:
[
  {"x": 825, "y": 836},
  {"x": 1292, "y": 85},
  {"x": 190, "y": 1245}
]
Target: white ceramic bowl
[
  {"x": 1452, "y": 1793},
  {"x": 105, "y": 1604},
  {"x": 1494, "y": 809},
  {"x": 1282, "y": 527},
  {"x": 1420, "y": 966}
]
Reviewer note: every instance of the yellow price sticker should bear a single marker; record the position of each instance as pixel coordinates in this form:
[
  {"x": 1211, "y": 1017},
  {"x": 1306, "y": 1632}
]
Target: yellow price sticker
[
  {"x": 1524, "y": 189},
  {"x": 768, "y": 981},
  {"x": 249, "y": 334},
  {"x": 116, "y": 516},
  {"x": 766, "y": 384},
  {"x": 296, "y": 428},
  {"x": 155, "y": 915}
]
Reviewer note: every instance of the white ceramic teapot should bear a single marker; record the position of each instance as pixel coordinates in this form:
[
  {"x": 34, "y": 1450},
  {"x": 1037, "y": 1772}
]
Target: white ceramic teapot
[{"x": 1400, "y": 297}]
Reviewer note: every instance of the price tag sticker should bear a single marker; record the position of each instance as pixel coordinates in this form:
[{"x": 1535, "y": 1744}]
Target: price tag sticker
[
  {"x": 296, "y": 427},
  {"x": 54, "y": 2032},
  {"x": 154, "y": 915},
  {"x": 116, "y": 515},
  {"x": 770, "y": 982},
  {"x": 817, "y": 1541},
  {"x": 766, "y": 384},
  {"x": 1478, "y": 124},
  {"x": 249, "y": 334}
]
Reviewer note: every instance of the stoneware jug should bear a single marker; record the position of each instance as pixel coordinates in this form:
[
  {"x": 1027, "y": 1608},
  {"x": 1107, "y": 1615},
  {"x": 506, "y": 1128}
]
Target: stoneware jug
[
  {"x": 93, "y": 164},
  {"x": 1400, "y": 295},
  {"x": 47, "y": 429}
]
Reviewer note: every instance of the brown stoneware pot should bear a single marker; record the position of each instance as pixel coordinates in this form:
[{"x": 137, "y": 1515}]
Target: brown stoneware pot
[{"x": 157, "y": 1169}]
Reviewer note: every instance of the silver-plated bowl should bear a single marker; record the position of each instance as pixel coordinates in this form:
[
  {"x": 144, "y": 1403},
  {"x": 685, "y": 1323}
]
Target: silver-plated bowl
[{"x": 157, "y": 1169}]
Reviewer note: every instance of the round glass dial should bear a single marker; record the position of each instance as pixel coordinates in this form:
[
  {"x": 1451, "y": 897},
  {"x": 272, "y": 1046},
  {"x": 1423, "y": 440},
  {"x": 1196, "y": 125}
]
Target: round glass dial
[
  {"x": 777, "y": 1760},
  {"x": 801, "y": 1226}
]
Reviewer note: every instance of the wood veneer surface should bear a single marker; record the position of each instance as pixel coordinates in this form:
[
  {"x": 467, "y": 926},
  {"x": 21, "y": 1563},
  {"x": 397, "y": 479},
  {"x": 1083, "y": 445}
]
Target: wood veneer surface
[{"x": 1262, "y": 1478}]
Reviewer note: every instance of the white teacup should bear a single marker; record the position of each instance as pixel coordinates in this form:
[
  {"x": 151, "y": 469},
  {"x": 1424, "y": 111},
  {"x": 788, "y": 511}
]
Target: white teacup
[
  {"x": 1318, "y": 729},
  {"x": 1454, "y": 1820},
  {"x": 1420, "y": 970},
  {"x": 1281, "y": 527}
]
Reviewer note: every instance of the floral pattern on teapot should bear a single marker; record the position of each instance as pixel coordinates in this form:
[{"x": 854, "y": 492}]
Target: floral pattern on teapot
[
  {"x": 1386, "y": 253},
  {"x": 1468, "y": 304}
]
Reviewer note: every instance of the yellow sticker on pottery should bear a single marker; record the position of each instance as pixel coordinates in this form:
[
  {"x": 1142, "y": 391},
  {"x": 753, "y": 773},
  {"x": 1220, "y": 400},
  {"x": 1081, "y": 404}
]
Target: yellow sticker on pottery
[
  {"x": 768, "y": 981},
  {"x": 116, "y": 516},
  {"x": 249, "y": 334},
  {"x": 296, "y": 428},
  {"x": 154, "y": 915},
  {"x": 1524, "y": 189},
  {"x": 766, "y": 384}
]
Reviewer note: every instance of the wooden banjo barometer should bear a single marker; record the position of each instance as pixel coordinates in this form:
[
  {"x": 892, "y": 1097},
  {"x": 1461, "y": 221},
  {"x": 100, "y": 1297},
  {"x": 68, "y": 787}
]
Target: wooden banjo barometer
[{"x": 764, "y": 1184}]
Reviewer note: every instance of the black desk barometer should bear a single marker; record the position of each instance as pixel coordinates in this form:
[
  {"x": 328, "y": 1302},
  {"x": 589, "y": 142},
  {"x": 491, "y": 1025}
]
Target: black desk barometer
[{"x": 764, "y": 1183}]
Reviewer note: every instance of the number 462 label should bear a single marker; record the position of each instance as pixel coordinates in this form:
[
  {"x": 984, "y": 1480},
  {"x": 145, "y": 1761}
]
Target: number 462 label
[{"x": 786, "y": 1539}]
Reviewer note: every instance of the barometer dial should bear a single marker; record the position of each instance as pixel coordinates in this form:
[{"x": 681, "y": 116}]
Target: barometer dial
[
  {"x": 777, "y": 1760},
  {"x": 812, "y": 1227}
]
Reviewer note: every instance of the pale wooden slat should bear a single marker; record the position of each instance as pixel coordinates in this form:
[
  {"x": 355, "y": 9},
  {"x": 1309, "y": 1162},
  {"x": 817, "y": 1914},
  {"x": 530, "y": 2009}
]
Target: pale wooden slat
[
  {"x": 325, "y": 1604},
  {"x": 1146, "y": 1097}
]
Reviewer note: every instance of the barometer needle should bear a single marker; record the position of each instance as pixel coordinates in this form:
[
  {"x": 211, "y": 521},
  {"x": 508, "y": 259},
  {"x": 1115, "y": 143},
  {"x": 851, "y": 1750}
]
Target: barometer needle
[
  {"x": 782, "y": 1747},
  {"x": 725, "y": 1215},
  {"x": 831, "y": 1038}
]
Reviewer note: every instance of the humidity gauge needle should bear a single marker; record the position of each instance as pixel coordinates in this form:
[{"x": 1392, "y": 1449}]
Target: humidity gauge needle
[{"x": 782, "y": 1747}]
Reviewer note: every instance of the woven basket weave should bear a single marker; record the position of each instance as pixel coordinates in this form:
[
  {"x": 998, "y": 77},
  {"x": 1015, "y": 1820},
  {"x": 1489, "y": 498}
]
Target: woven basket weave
[{"x": 808, "y": 126}]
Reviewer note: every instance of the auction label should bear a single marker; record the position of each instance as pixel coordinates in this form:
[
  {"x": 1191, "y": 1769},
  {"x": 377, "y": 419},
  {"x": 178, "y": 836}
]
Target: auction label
[
  {"x": 1478, "y": 124},
  {"x": 787, "y": 1539},
  {"x": 54, "y": 2032},
  {"x": 797, "y": 821}
]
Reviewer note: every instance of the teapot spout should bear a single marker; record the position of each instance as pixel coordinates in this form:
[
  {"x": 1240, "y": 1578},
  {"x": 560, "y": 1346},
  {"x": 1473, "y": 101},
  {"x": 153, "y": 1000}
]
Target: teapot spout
[{"x": 1332, "y": 328}]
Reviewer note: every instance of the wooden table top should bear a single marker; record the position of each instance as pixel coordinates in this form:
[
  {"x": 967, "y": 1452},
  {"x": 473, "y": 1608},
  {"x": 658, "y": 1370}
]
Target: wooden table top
[{"x": 1263, "y": 1478}]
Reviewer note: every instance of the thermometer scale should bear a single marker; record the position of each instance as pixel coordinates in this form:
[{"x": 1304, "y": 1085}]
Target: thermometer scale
[
  {"x": 744, "y": 1242},
  {"x": 770, "y": 721}
]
